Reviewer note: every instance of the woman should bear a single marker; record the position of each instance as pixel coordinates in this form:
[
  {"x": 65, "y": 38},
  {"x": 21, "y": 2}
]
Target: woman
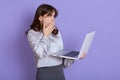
[{"x": 45, "y": 39}]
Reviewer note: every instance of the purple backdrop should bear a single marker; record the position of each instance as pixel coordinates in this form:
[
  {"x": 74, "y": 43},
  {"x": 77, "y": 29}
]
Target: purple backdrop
[{"x": 76, "y": 18}]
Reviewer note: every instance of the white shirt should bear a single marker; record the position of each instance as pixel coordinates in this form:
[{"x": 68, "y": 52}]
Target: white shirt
[{"x": 43, "y": 46}]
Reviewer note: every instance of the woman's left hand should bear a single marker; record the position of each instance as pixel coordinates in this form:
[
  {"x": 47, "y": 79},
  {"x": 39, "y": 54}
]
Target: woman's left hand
[{"x": 83, "y": 55}]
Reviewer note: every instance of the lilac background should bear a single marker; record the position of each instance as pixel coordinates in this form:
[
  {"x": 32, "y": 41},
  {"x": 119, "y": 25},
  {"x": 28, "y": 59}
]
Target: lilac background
[{"x": 76, "y": 18}]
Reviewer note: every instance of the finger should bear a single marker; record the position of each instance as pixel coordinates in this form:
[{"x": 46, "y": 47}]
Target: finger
[
  {"x": 49, "y": 28},
  {"x": 47, "y": 25},
  {"x": 52, "y": 28}
]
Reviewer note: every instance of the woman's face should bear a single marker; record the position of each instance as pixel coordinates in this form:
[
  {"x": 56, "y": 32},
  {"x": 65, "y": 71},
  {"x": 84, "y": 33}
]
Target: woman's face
[{"x": 46, "y": 20}]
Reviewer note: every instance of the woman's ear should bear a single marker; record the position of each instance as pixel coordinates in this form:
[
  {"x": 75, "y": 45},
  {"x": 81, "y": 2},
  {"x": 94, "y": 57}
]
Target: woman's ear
[{"x": 40, "y": 18}]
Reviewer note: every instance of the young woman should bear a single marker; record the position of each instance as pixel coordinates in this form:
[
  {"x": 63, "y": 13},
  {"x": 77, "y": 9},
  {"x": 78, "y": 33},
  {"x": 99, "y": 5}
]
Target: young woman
[{"x": 45, "y": 38}]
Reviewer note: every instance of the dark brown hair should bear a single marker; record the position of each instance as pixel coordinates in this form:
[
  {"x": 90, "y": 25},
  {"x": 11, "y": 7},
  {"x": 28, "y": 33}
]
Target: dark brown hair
[{"x": 41, "y": 11}]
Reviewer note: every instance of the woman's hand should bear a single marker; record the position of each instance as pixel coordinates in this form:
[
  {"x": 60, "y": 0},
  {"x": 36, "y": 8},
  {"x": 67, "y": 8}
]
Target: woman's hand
[
  {"x": 83, "y": 56},
  {"x": 47, "y": 30}
]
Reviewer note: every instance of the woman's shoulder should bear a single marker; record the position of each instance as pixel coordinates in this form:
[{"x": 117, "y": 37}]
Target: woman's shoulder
[{"x": 33, "y": 32}]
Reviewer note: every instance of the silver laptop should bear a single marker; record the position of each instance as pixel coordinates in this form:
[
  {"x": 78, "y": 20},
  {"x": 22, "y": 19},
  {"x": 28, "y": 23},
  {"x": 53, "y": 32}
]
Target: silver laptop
[{"x": 77, "y": 54}]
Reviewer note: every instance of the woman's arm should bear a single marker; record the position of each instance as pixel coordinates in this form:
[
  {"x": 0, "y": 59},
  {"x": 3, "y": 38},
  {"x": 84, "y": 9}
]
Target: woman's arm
[{"x": 39, "y": 44}]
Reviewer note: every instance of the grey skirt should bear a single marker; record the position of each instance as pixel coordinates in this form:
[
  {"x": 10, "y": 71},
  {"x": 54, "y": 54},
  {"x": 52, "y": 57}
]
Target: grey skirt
[{"x": 50, "y": 73}]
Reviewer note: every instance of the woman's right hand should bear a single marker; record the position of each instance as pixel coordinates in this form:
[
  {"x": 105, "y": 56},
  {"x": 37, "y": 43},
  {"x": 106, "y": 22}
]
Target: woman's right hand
[{"x": 47, "y": 30}]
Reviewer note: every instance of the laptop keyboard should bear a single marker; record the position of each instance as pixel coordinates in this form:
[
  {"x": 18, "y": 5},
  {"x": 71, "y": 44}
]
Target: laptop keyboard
[{"x": 72, "y": 54}]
